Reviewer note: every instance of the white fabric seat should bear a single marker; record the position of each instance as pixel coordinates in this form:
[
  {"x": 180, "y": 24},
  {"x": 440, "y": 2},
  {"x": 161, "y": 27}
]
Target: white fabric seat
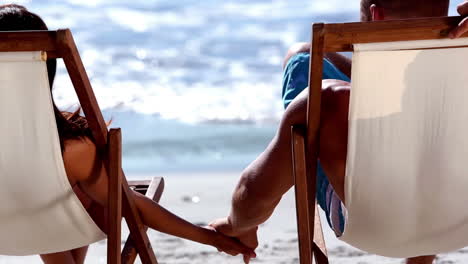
[
  {"x": 39, "y": 212},
  {"x": 406, "y": 182}
]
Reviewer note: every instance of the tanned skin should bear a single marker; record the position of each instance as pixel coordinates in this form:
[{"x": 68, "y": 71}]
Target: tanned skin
[{"x": 86, "y": 171}]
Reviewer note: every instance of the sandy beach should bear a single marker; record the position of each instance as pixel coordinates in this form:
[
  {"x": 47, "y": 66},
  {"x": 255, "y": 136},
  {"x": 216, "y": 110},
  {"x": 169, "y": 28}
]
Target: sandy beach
[{"x": 203, "y": 197}]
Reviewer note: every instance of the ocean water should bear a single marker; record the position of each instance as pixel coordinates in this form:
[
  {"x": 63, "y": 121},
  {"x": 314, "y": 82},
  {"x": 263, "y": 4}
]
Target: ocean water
[{"x": 194, "y": 84}]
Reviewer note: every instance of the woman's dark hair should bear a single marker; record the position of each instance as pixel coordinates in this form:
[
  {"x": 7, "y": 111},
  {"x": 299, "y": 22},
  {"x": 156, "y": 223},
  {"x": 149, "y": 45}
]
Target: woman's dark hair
[{"x": 16, "y": 18}]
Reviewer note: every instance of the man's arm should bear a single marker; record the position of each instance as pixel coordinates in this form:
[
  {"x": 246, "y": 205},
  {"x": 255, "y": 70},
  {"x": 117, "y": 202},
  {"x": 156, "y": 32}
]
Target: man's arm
[{"x": 266, "y": 179}]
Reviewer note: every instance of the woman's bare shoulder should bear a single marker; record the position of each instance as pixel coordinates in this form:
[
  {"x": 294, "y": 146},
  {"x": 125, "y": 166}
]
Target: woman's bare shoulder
[{"x": 80, "y": 158}]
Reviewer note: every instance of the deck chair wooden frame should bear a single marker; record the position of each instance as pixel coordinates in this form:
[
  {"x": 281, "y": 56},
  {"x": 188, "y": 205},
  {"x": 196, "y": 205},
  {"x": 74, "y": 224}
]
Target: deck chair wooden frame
[
  {"x": 60, "y": 44},
  {"x": 305, "y": 140}
]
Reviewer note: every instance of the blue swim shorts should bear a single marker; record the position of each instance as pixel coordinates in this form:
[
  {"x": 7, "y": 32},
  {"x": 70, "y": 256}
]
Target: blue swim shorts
[{"x": 295, "y": 80}]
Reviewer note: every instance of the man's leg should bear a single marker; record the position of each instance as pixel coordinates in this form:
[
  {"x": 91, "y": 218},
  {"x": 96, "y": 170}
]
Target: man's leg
[{"x": 295, "y": 80}]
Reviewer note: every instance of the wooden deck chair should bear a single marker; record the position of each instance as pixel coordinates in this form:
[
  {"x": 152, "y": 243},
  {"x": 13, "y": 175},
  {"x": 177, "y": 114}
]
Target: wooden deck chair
[
  {"x": 39, "y": 211},
  {"x": 413, "y": 42}
]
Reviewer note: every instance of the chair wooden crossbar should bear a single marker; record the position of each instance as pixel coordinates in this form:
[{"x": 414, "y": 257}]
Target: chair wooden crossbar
[
  {"x": 60, "y": 44},
  {"x": 305, "y": 140},
  {"x": 152, "y": 189}
]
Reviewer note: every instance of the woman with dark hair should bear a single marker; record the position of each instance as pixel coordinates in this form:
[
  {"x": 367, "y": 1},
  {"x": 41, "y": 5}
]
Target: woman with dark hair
[{"x": 86, "y": 172}]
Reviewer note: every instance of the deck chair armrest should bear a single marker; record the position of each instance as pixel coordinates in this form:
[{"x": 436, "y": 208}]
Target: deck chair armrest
[{"x": 153, "y": 189}]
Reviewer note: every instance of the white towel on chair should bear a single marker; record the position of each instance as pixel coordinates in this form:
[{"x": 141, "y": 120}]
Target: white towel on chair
[
  {"x": 39, "y": 212},
  {"x": 406, "y": 182}
]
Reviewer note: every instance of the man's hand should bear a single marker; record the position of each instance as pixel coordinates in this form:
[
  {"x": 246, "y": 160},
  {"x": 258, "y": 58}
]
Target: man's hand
[
  {"x": 463, "y": 26},
  {"x": 248, "y": 238},
  {"x": 228, "y": 244}
]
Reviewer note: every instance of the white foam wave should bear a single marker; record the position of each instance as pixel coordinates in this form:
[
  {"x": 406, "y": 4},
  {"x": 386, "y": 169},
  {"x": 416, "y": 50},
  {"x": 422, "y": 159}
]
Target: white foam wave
[
  {"x": 200, "y": 103},
  {"x": 189, "y": 60}
]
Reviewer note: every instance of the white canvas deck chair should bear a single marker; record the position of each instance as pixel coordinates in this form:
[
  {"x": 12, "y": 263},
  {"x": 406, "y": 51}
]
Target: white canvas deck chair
[
  {"x": 39, "y": 212},
  {"x": 406, "y": 175}
]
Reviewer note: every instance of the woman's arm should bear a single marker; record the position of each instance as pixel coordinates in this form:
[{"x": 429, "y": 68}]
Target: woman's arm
[{"x": 84, "y": 166}]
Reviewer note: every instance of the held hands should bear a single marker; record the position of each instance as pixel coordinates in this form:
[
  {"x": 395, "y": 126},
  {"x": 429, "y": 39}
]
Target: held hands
[
  {"x": 228, "y": 244},
  {"x": 463, "y": 25},
  {"x": 247, "y": 238}
]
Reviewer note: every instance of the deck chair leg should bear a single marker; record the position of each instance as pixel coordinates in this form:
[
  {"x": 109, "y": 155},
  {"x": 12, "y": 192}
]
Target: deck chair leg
[
  {"x": 154, "y": 192},
  {"x": 320, "y": 257},
  {"x": 115, "y": 196},
  {"x": 301, "y": 192},
  {"x": 319, "y": 247},
  {"x": 136, "y": 226}
]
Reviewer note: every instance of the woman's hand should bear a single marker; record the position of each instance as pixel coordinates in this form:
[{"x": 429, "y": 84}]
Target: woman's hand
[
  {"x": 463, "y": 25},
  {"x": 229, "y": 245},
  {"x": 247, "y": 238}
]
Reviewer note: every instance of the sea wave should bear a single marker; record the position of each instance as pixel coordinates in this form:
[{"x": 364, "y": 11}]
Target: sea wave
[
  {"x": 195, "y": 85},
  {"x": 194, "y": 61}
]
